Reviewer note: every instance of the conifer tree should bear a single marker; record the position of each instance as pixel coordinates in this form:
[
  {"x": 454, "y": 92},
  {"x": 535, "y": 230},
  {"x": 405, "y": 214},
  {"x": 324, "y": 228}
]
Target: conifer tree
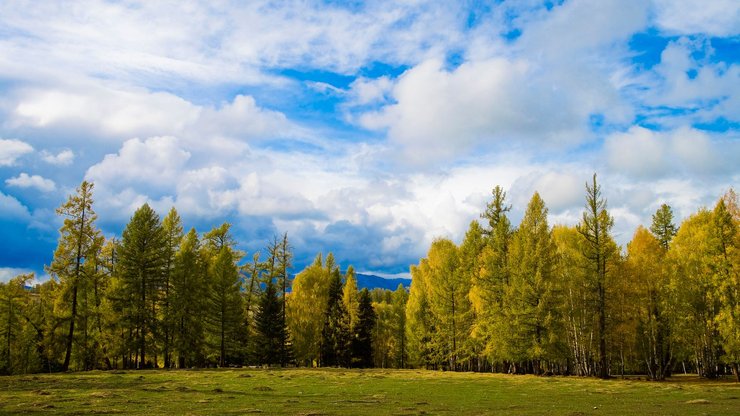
[
  {"x": 270, "y": 328},
  {"x": 335, "y": 335},
  {"x": 595, "y": 227},
  {"x": 398, "y": 302},
  {"x": 306, "y": 310},
  {"x": 77, "y": 242},
  {"x": 531, "y": 300},
  {"x": 224, "y": 301},
  {"x": 141, "y": 267},
  {"x": 173, "y": 233},
  {"x": 188, "y": 302},
  {"x": 662, "y": 227},
  {"x": 362, "y": 343}
]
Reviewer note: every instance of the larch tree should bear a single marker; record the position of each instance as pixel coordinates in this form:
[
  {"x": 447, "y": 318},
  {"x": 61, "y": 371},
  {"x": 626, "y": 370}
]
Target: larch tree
[
  {"x": 692, "y": 287},
  {"x": 306, "y": 307},
  {"x": 595, "y": 227},
  {"x": 78, "y": 241},
  {"x": 449, "y": 301},
  {"x": 647, "y": 277},
  {"x": 141, "y": 264},
  {"x": 224, "y": 301},
  {"x": 173, "y": 234},
  {"x": 12, "y": 300},
  {"x": 532, "y": 297},
  {"x": 419, "y": 322},
  {"x": 488, "y": 287},
  {"x": 188, "y": 301},
  {"x": 351, "y": 296}
]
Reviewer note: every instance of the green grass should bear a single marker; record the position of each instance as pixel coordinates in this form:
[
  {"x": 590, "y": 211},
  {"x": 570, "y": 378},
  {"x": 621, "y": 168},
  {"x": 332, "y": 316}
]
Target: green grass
[{"x": 343, "y": 392}]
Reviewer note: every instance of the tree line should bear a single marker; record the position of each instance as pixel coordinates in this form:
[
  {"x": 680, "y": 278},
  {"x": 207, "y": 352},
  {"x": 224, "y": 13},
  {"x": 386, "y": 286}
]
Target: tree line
[
  {"x": 568, "y": 300},
  {"x": 528, "y": 299}
]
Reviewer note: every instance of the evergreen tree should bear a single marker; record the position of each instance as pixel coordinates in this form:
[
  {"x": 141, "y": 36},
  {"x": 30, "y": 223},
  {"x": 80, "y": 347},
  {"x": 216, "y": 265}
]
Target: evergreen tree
[
  {"x": 335, "y": 335},
  {"x": 351, "y": 296},
  {"x": 141, "y": 266},
  {"x": 362, "y": 343},
  {"x": 173, "y": 234},
  {"x": 188, "y": 302},
  {"x": 595, "y": 227},
  {"x": 224, "y": 300},
  {"x": 662, "y": 227},
  {"x": 270, "y": 328},
  {"x": 77, "y": 244}
]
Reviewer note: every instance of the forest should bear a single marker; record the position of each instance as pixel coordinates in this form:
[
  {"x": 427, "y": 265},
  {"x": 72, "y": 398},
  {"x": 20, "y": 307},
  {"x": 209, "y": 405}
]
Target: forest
[{"x": 526, "y": 299}]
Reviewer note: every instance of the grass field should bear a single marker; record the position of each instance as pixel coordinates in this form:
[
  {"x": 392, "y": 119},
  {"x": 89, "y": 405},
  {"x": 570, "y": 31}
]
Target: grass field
[{"x": 345, "y": 392}]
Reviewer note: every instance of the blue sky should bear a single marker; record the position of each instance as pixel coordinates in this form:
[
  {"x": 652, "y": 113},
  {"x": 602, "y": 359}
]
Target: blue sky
[{"x": 362, "y": 128}]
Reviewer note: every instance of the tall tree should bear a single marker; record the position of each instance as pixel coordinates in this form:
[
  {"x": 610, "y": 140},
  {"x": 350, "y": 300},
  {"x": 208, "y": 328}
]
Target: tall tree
[
  {"x": 595, "y": 227},
  {"x": 77, "y": 243},
  {"x": 419, "y": 323},
  {"x": 224, "y": 295},
  {"x": 531, "y": 300},
  {"x": 398, "y": 302},
  {"x": 141, "y": 265},
  {"x": 173, "y": 233},
  {"x": 449, "y": 301},
  {"x": 362, "y": 330},
  {"x": 285, "y": 257},
  {"x": 335, "y": 335},
  {"x": 645, "y": 265},
  {"x": 351, "y": 296},
  {"x": 188, "y": 301},
  {"x": 306, "y": 308},
  {"x": 12, "y": 296},
  {"x": 270, "y": 328},
  {"x": 662, "y": 226},
  {"x": 488, "y": 287}
]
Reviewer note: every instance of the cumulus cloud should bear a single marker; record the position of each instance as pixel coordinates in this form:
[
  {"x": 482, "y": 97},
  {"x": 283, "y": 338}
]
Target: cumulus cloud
[
  {"x": 63, "y": 158},
  {"x": 154, "y": 163},
  {"x": 685, "y": 17},
  {"x": 11, "y": 150},
  {"x": 12, "y": 209},
  {"x": 643, "y": 153},
  {"x": 25, "y": 180}
]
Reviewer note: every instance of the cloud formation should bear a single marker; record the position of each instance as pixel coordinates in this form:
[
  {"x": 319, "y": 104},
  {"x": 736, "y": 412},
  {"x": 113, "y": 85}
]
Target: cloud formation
[{"x": 366, "y": 128}]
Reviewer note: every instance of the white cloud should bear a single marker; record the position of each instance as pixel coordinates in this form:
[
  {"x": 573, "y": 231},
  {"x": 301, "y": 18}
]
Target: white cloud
[
  {"x": 121, "y": 113},
  {"x": 63, "y": 158},
  {"x": 643, "y": 153},
  {"x": 32, "y": 181},
  {"x": 441, "y": 113},
  {"x": 154, "y": 163},
  {"x": 7, "y": 273},
  {"x": 11, "y": 208},
  {"x": 11, "y": 150},
  {"x": 714, "y": 18}
]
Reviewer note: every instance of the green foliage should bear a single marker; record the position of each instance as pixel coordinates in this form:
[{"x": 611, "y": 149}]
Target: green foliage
[
  {"x": 335, "y": 335},
  {"x": 270, "y": 327},
  {"x": 362, "y": 332},
  {"x": 187, "y": 301},
  {"x": 141, "y": 270}
]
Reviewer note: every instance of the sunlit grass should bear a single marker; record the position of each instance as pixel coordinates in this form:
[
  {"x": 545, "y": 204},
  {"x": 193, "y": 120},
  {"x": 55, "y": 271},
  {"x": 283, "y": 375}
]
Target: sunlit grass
[{"x": 361, "y": 392}]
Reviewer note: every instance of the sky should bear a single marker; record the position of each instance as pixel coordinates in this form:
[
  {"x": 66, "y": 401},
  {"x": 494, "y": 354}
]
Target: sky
[{"x": 367, "y": 129}]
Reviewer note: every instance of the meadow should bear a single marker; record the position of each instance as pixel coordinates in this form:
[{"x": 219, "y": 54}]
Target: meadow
[{"x": 358, "y": 392}]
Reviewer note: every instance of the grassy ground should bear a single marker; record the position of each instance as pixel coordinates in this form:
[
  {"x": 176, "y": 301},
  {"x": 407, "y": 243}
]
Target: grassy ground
[{"x": 345, "y": 392}]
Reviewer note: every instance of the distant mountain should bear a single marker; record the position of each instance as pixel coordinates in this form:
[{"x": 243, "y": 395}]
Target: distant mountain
[{"x": 371, "y": 282}]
